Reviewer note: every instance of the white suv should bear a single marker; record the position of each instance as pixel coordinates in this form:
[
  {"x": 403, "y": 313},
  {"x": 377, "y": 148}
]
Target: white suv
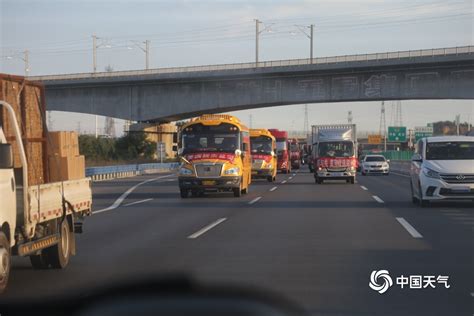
[
  {"x": 443, "y": 168},
  {"x": 375, "y": 164}
]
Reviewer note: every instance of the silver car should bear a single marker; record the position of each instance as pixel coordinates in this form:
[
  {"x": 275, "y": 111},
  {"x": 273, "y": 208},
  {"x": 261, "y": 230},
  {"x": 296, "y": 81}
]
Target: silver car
[{"x": 375, "y": 164}]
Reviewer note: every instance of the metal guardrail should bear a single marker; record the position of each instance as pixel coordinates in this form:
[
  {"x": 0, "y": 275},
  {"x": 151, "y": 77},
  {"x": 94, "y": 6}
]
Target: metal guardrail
[
  {"x": 121, "y": 171},
  {"x": 276, "y": 63}
]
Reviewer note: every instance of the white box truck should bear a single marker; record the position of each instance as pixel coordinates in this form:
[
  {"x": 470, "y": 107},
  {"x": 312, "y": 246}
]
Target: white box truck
[
  {"x": 37, "y": 221},
  {"x": 334, "y": 152}
]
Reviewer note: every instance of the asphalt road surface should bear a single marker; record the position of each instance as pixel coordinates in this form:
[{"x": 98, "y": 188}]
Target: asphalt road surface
[{"x": 315, "y": 244}]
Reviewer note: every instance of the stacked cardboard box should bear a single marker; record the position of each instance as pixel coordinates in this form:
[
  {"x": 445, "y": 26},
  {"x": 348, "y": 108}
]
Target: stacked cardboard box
[
  {"x": 27, "y": 100},
  {"x": 64, "y": 159}
]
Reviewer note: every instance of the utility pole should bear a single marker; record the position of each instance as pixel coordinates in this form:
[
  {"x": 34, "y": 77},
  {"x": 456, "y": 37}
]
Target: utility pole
[
  {"x": 349, "y": 117},
  {"x": 250, "y": 121},
  {"x": 311, "y": 41},
  {"x": 458, "y": 120},
  {"x": 302, "y": 29},
  {"x": 383, "y": 127},
  {"x": 257, "y": 33},
  {"x": 94, "y": 56},
  {"x": 306, "y": 121},
  {"x": 147, "y": 54}
]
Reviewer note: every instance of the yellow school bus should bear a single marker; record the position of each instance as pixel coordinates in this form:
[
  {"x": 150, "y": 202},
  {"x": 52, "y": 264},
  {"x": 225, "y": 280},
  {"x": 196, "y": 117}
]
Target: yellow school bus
[
  {"x": 264, "y": 159},
  {"x": 215, "y": 154}
]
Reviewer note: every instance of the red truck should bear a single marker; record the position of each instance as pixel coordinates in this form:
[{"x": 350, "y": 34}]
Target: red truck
[
  {"x": 282, "y": 145},
  {"x": 295, "y": 153}
]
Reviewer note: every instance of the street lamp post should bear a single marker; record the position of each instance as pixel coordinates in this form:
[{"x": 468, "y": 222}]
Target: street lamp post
[
  {"x": 301, "y": 28},
  {"x": 145, "y": 49},
  {"x": 257, "y": 37}
]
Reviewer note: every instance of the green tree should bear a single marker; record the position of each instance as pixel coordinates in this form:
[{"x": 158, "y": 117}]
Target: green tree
[
  {"x": 134, "y": 145},
  {"x": 97, "y": 148}
]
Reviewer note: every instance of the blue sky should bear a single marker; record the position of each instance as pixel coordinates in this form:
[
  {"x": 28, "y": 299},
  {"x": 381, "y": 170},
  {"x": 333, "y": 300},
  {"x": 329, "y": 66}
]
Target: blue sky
[{"x": 58, "y": 36}]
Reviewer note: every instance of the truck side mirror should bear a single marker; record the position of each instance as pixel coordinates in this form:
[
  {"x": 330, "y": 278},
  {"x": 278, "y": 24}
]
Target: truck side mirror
[
  {"x": 6, "y": 156},
  {"x": 175, "y": 148}
]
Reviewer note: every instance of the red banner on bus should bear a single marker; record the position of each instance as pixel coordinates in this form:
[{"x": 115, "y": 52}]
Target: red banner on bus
[{"x": 206, "y": 155}]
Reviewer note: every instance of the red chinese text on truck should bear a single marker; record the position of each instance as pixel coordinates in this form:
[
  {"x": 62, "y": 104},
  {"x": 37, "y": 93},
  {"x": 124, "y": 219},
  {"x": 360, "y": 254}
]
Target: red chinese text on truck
[
  {"x": 295, "y": 153},
  {"x": 283, "y": 155}
]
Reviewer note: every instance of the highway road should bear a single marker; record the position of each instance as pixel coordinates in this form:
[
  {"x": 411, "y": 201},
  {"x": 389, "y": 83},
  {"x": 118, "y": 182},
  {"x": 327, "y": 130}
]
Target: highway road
[{"x": 315, "y": 244}]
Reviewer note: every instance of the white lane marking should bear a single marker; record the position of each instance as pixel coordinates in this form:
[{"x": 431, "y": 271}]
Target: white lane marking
[
  {"x": 137, "y": 202},
  {"x": 400, "y": 174},
  {"x": 170, "y": 180},
  {"x": 284, "y": 181},
  {"x": 294, "y": 174},
  {"x": 472, "y": 294},
  {"x": 410, "y": 229},
  {"x": 290, "y": 178},
  {"x": 273, "y": 189},
  {"x": 126, "y": 193},
  {"x": 206, "y": 229},
  {"x": 363, "y": 188},
  {"x": 377, "y": 199},
  {"x": 255, "y": 200}
]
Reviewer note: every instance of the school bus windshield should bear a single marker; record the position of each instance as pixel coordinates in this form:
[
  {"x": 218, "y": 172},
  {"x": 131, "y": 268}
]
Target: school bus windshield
[
  {"x": 261, "y": 145},
  {"x": 215, "y": 138}
]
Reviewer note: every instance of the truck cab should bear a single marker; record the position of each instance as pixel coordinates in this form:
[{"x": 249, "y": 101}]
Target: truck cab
[
  {"x": 295, "y": 153},
  {"x": 215, "y": 154},
  {"x": 283, "y": 152}
]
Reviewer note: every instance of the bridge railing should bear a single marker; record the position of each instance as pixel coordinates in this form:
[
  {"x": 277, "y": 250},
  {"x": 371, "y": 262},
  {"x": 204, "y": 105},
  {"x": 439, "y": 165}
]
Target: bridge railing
[{"x": 275, "y": 63}]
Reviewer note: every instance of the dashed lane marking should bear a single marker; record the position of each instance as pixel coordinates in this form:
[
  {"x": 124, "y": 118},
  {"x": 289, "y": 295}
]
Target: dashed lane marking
[{"x": 206, "y": 228}]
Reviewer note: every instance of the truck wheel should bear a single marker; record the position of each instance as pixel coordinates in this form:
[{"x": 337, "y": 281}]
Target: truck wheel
[
  {"x": 183, "y": 193},
  {"x": 270, "y": 179},
  {"x": 59, "y": 255},
  {"x": 353, "y": 180},
  {"x": 40, "y": 261},
  {"x": 5, "y": 261}
]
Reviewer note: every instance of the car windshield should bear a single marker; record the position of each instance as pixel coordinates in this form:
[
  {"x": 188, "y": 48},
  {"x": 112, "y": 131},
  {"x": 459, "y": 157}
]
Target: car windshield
[
  {"x": 202, "y": 138},
  {"x": 336, "y": 149},
  {"x": 261, "y": 145},
  {"x": 450, "y": 151},
  {"x": 374, "y": 158},
  {"x": 281, "y": 144}
]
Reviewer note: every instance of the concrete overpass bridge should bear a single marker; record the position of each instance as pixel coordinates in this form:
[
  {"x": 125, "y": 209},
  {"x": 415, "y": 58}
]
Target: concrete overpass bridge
[{"x": 177, "y": 93}]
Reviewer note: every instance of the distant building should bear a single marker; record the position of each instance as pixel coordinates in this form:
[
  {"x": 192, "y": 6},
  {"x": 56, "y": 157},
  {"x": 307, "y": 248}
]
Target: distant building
[{"x": 159, "y": 133}]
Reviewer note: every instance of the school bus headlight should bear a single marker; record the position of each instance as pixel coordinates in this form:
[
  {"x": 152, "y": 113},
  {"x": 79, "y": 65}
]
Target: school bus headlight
[
  {"x": 232, "y": 171},
  {"x": 269, "y": 166},
  {"x": 185, "y": 171}
]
